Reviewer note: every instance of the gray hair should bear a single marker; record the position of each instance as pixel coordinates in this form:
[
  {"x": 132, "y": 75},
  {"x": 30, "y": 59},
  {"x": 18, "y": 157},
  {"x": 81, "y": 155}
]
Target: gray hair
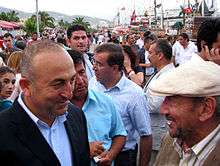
[{"x": 32, "y": 51}]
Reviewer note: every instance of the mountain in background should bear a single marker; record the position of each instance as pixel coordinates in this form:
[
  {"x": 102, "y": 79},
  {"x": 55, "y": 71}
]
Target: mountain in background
[{"x": 58, "y": 16}]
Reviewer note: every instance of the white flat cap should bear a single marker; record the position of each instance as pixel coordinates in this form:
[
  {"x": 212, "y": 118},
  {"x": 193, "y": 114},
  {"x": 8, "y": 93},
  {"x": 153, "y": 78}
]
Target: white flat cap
[{"x": 195, "y": 78}]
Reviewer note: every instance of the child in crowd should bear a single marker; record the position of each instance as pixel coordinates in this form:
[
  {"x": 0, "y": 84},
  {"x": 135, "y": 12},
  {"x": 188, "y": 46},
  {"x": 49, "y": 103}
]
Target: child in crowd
[{"x": 7, "y": 85}]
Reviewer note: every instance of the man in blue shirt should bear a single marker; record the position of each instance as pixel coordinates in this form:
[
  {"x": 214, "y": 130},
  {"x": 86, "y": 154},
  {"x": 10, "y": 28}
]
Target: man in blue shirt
[
  {"x": 129, "y": 98},
  {"x": 106, "y": 132}
]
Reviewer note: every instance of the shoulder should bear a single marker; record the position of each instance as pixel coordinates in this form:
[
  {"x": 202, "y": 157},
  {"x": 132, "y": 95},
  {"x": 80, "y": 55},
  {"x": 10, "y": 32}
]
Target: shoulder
[
  {"x": 75, "y": 114},
  {"x": 5, "y": 117},
  {"x": 5, "y": 104},
  {"x": 133, "y": 87},
  {"x": 102, "y": 99}
]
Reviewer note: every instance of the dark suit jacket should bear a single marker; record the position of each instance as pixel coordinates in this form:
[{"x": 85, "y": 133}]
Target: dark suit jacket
[{"x": 22, "y": 144}]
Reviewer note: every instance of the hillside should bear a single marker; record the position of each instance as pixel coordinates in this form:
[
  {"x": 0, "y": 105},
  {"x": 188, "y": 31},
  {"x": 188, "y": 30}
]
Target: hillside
[{"x": 58, "y": 16}]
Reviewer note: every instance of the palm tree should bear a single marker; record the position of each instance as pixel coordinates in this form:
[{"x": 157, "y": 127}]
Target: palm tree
[
  {"x": 3, "y": 16},
  {"x": 9, "y": 16},
  {"x": 30, "y": 25},
  {"x": 64, "y": 24},
  {"x": 13, "y": 16},
  {"x": 46, "y": 19},
  {"x": 80, "y": 21}
]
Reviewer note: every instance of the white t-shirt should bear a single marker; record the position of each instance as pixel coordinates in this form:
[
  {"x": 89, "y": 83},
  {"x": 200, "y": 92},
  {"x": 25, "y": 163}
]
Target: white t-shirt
[
  {"x": 140, "y": 43},
  {"x": 183, "y": 55},
  {"x": 148, "y": 70}
]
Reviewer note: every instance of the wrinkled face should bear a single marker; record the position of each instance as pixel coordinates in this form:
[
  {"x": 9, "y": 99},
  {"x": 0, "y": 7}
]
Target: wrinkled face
[
  {"x": 81, "y": 84},
  {"x": 153, "y": 55},
  {"x": 103, "y": 72},
  {"x": 49, "y": 91},
  {"x": 78, "y": 41},
  {"x": 8, "y": 41},
  {"x": 182, "y": 115},
  {"x": 7, "y": 85},
  {"x": 182, "y": 41}
]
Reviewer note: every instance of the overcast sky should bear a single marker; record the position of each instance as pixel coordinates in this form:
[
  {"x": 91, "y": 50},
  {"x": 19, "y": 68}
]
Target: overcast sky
[{"x": 96, "y": 8}]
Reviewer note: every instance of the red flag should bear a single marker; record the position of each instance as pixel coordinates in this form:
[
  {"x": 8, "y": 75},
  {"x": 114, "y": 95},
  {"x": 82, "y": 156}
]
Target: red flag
[
  {"x": 188, "y": 10},
  {"x": 133, "y": 17}
]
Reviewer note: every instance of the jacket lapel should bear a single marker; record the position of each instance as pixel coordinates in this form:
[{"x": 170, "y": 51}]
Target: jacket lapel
[
  {"x": 71, "y": 130},
  {"x": 29, "y": 134}
]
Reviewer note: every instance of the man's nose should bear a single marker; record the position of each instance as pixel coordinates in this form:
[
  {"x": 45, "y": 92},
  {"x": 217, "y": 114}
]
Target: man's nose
[{"x": 67, "y": 90}]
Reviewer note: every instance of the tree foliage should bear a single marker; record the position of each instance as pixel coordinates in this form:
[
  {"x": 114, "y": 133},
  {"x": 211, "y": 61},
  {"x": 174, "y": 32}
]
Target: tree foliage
[
  {"x": 81, "y": 21},
  {"x": 9, "y": 16},
  {"x": 45, "y": 20},
  {"x": 63, "y": 24}
]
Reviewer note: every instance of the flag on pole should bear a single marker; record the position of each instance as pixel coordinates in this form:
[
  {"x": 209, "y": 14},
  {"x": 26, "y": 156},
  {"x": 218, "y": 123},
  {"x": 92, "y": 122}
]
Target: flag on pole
[{"x": 133, "y": 17}]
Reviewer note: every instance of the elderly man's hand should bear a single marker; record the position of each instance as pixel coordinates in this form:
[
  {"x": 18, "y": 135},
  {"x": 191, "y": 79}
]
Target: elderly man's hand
[
  {"x": 96, "y": 148},
  {"x": 106, "y": 159}
]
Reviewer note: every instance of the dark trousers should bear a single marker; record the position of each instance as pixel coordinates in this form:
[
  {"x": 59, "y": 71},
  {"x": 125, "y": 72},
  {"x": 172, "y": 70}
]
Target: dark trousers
[{"x": 127, "y": 158}]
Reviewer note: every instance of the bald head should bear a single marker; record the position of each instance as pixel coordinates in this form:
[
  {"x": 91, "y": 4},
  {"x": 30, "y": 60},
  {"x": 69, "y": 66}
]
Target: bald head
[{"x": 42, "y": 53}]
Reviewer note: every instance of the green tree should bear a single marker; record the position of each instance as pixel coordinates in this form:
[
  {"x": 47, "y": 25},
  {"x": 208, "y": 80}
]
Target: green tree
[
  {"x": 63, "y": 24},
  {"x": 81, "y": 21},
  {"x": 13, "y": 16},
  {"x": 46, "y": 20},
  {"x": 9, "y": 16},
  {"x": 30, "y": 25}
]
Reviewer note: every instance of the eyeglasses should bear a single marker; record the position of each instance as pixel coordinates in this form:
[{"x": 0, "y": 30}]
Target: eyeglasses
[{"x": 97, "y": 64}]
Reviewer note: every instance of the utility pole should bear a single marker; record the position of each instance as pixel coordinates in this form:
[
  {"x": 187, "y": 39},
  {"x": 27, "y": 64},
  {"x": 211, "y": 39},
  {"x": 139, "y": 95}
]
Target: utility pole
[
  {"x": 155, "y": 11},
  {"x": 203, "y": 7},
  {"x": 162, "y": 16},
  {"x": 37, "y": 19}
]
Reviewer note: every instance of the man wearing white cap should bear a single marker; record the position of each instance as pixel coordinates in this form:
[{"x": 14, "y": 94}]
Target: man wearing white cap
[{"x": 192, "y": 110}]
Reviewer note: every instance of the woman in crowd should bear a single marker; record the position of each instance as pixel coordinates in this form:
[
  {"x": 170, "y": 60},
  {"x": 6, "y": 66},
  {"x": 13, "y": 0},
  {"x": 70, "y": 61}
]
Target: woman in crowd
[
  {"x": 7, "y": 85},
  {"x": 132, "y": 70},
  {"x": 14, "y": 63}
]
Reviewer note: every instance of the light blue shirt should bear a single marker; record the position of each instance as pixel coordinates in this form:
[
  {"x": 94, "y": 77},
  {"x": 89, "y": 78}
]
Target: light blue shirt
[
  {"x": 132, "y": 104},
  {"x": 56, "y": 135},
  {"x": 103, "y": 120}
]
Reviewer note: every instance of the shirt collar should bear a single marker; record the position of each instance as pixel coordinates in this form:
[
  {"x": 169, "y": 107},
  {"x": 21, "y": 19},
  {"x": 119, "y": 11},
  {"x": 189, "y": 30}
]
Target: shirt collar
[
  {"x": 119, "y": 85},
  {"x": 61, "y": 118},
  {"x": 90, "y": 97},
  {"x": 197, "y": 147}
]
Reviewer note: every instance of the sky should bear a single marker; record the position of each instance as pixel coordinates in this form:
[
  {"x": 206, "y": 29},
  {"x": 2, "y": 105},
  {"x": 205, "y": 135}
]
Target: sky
[{"x": 106, "y": 9}]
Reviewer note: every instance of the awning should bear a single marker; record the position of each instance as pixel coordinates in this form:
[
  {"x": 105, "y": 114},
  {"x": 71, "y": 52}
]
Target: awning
[{"x": 9, "y": 25}]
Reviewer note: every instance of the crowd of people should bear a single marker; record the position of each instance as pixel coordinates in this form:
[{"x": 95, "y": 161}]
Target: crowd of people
[{"x": 73, "y": 98}]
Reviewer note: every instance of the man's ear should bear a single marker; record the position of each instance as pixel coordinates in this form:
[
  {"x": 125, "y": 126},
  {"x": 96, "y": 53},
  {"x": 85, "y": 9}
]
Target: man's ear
[
  {"x": 68, "y": 42},
  {"x": 161, "y": 55},
  {"x": 25, "y": 85},
  {"x": 208, "y": 109},
  {"x": 115, "y": 68}
]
